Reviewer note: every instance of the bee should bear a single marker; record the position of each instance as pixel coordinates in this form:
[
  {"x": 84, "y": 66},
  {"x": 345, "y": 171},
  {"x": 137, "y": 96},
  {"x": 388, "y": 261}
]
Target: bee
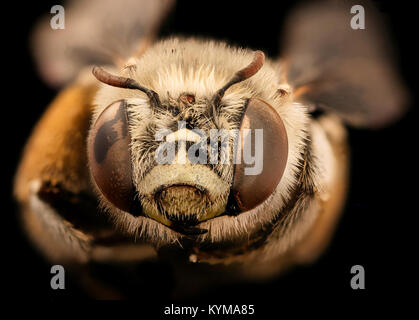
[{"x": 92, "y": 188}]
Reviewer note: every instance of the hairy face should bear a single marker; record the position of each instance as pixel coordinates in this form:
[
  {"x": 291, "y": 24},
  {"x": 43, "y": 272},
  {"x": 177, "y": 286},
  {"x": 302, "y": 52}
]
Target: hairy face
[
  {"x": 182, "y": 150},
  {"x": 182, "y": 190}
]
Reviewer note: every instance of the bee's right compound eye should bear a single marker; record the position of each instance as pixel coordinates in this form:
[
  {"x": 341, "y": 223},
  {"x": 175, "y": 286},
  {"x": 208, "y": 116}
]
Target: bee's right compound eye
[
  {"x": 110, "y": 156},
  {"x": 250, "y": 190}
]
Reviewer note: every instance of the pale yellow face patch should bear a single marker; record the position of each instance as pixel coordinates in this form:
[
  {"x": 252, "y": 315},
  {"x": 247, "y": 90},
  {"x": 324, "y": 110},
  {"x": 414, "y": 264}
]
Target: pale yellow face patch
[{"x": 182, "y": 190}]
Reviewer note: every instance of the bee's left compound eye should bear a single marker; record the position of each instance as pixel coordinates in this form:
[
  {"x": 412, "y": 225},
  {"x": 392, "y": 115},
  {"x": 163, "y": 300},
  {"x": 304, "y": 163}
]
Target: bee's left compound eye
[
  {"x": 251, "y": 189},
  {"x": 110, "y": 156}
]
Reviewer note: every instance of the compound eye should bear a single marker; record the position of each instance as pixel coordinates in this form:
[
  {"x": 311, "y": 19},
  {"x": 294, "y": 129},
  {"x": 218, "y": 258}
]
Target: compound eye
[
  {"x": 252, "y": 187},
  {"x": 109, "y": 156}
]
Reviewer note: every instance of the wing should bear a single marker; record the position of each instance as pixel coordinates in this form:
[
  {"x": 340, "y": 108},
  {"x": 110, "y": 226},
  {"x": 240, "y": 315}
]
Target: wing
[
  {"x": 337, "y": 68},
  {"x": 96, "y": 32}
]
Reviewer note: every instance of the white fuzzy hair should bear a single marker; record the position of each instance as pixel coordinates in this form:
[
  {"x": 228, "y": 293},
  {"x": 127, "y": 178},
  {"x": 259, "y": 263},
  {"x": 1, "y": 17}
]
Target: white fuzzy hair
[{"x": 175, "y": 66}]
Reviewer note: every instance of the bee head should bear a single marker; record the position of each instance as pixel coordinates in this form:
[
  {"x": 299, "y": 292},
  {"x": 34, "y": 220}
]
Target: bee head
[{"x": 187, "y": 145}]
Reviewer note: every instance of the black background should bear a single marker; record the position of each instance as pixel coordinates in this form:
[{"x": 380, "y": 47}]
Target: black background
[{"x": 375, "y": 230}]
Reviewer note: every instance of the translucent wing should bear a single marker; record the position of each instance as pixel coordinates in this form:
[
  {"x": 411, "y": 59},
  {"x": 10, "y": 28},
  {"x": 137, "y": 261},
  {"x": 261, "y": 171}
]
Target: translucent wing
[
  {"x": 337, "y": 68},
  {"x": 96, "y": 32}
]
